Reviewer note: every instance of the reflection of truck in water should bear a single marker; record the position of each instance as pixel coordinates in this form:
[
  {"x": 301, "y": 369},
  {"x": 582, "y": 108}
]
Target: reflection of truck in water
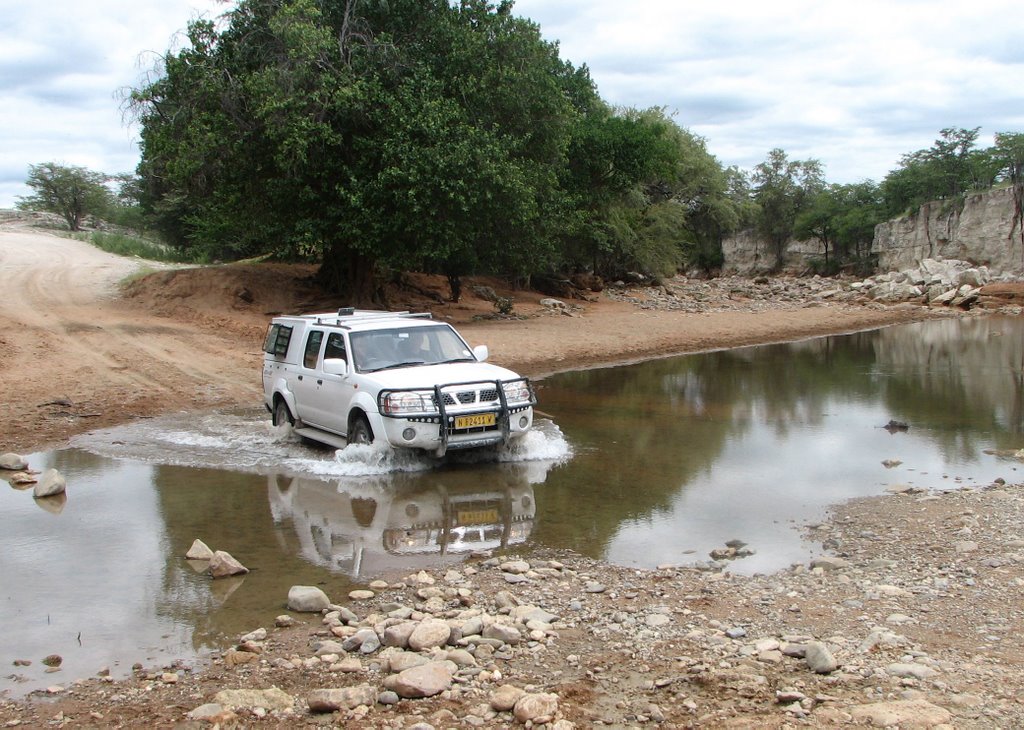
[{"x": 374, "y": 525}]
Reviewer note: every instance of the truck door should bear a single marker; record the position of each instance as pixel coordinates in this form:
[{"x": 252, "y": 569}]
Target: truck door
[
  {"x": 308, "y": 381},
  {"x": 337, "y": 390}
]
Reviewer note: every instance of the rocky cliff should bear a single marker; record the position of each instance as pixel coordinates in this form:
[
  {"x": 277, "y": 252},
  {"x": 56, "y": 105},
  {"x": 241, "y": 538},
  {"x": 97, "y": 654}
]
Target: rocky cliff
[
  {"x": 983, "y": 232},
  {"x": 747, "y": 254}
]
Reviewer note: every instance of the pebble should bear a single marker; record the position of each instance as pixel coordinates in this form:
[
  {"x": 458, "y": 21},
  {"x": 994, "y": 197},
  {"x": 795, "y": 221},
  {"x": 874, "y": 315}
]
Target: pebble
[{"x": 307, "y": 599}]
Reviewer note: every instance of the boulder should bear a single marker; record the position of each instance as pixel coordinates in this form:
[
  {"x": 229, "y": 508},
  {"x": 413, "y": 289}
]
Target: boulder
[
  {"x": 199, "y": 551},
  {"x": 272, "y": 699},
  {"x": 551, "y": 303},
  {"x": 329, "y": 646},
  {"x": 828, "y": 562},
  {"x": 485, "y": 292},
  {"x": 307, "y": 599},
  {"x": 346, "y": 698},
  {"x": 50, "y": 483},
  {"x": 911, "y": 670},
  {"x": 398, "y": 635},
  {"x": 425, "y": 680},
  {"x": 429, "y": 634},
  {"x": 536, "y": 708},
  {"x": 222, "y": 565},
  {"x": 902, "y": 713},
  {"x": 211, "y": 712},
  {"x": 13, "y": 462},
  {"x": 819, "y": 659},
  {"x": 402, "y": 660},
  {"x": 505, "y": 697},
  {"x": 365, "y": 641},
  {"x": 503, "y": 633}
]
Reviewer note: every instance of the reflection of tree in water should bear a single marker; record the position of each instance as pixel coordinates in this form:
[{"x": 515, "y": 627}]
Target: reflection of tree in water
[
  {"x": 228, "y": 511},
  {"x": 658, "y": 425},
  {"x": 946, "y": 374},
  {"x": 644, "y": 432}
]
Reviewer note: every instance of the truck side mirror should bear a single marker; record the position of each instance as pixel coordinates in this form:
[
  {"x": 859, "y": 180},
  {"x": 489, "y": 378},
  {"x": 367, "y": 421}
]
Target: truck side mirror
[
  {"x": 481, "y": 353},
  {"x": 335, "y": 366}
]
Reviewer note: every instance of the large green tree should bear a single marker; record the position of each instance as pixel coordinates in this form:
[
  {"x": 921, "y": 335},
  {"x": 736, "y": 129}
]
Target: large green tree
[
  {"x": 647, "y": 195},
  {"x": 69, "y": 191},
  {"x": 363, "y": 134}
]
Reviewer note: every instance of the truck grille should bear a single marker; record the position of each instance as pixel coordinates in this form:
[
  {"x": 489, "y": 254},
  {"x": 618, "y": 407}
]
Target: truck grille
[{"x": 464, "y": 397}]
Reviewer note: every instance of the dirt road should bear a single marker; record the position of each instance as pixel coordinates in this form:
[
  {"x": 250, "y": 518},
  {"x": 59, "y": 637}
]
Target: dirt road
[{"x": 74, "y": 355}]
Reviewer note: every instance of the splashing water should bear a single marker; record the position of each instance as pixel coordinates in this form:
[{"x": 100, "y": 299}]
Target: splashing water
[
  {"x": 248, "y": 442},
  {"x": 363, "y": 460},
  {"x": 545, "y": 443}
]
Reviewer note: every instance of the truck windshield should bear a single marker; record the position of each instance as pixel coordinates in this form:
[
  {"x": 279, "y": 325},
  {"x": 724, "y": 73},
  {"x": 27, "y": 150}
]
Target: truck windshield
[{"x": 407, "y": 347}]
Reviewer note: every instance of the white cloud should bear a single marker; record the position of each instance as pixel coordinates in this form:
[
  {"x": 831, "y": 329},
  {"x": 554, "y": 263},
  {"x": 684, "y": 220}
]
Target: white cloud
[
  {"x": 62, "y": 66},
  {"x": 855, "y": 85}
]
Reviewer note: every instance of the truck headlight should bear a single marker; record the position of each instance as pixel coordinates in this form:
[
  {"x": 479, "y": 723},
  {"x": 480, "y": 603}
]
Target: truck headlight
[
  {"x": 406, "y": 403},
  {"x": 517, "y": 391}
]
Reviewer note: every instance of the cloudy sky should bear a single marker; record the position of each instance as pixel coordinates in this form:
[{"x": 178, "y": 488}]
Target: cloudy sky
[{"x": 854, "y": 85}]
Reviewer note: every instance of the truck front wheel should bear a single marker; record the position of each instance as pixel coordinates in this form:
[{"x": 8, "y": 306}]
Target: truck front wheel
[
  {"x": 282, "y": 416},
  {"x": 360, "y": 432}
]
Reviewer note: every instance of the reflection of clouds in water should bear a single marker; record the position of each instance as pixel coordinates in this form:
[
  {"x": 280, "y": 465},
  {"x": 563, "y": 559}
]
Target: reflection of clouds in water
[
  {"x": 105, "y": 548},
  {"x": 766, "y": 484}
]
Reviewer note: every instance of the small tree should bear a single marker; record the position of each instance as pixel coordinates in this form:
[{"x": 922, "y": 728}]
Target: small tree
[
  {"x": 71, "y": 192},
  {"x": 820, "y": 220},
  {"x": 1009, "y": 155},
  {"x": 783, "y": 189},
  {"x": 842, "y": 218}
]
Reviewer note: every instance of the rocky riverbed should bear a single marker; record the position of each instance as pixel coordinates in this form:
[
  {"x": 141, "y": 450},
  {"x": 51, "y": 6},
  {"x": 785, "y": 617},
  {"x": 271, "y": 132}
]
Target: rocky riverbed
[
  {"x": 942, "y": 285},
  {"x": 912, "y": 619}
]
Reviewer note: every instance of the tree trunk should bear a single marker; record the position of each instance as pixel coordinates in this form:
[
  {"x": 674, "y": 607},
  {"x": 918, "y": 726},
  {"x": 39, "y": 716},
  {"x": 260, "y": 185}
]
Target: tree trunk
[
  {"x": 363, "y": 287},
  {"x": 353, "y": 275},
  {"x": 455, "y": 287}
]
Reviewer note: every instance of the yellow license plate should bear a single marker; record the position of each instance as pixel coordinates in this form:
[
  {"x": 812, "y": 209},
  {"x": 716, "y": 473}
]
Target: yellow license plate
[
  {"x": 477, "y": 516},
  {"x": 475, "y": 421}
]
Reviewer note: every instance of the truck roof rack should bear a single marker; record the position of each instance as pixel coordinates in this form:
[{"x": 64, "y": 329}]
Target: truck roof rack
[{"x": 350, "y": 316}]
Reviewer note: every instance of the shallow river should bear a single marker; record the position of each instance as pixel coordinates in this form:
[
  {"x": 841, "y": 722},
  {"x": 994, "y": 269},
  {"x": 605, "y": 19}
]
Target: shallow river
[{"x": 641, "y": 465}]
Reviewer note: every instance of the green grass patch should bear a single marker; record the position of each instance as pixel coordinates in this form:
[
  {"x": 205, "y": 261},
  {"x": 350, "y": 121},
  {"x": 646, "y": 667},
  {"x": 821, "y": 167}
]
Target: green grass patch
[{"x": 126, "y": 245}]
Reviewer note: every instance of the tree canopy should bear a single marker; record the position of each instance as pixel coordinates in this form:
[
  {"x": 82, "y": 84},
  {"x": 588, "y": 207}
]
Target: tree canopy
[{"x": 407, "y": 134}]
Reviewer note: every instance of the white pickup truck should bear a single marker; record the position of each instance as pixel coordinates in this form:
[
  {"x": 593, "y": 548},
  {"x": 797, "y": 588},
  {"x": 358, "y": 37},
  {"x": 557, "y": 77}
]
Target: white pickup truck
[{"x": 360, "y": 376}]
